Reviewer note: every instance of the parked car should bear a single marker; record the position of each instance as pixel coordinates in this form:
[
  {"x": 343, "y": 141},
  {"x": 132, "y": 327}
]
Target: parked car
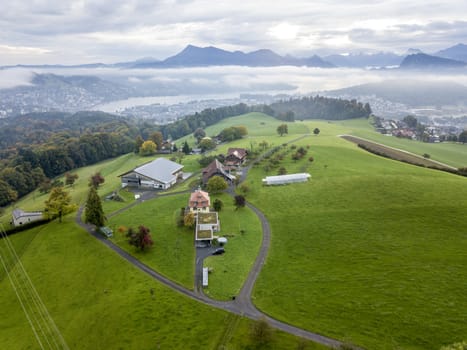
[
  {"x": 218, "y": 251},
  {"x": 106, "y": 231}
]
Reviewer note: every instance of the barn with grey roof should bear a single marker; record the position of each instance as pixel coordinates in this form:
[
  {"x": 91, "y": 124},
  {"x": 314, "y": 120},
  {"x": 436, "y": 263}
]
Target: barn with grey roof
[{"x": 161, "y": 173}]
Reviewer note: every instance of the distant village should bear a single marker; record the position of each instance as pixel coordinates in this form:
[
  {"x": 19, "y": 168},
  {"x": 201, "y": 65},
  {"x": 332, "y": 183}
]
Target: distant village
[{"x": 410, "y": 128}]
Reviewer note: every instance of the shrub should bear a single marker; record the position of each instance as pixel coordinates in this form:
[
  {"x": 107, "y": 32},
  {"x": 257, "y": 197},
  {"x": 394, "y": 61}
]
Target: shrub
[
  {"x": 218, "y": 204},
  {"x": 244, "y": 188},
  {"x": 261, "y": 332}
]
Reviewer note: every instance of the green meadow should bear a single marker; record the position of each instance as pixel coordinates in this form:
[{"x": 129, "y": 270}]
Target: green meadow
[
  {"x": 370, "y": 251},
  {"x": 450, "y": 153},
  {"x": 257, "y": 124},
  {"x": 242, "y": 229},
  {"x": 173, "y": 252},
  {"x": 99, "y": 301}
]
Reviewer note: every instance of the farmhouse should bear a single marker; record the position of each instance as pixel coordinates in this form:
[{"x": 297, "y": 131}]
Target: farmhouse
[
  {"x": 286, "y": 179},
  {"x": 206, "y": 225},
  {"x": 235, "y": 157},
  {"x": 158, "y": 174},
  {"x": 199, "y": 201},
  {"x": 215, "y": 168},
  {"x": 21, "y": 217}
]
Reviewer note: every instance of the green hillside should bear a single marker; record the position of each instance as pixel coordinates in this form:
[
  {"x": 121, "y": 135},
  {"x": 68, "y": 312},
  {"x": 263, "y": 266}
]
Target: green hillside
[
  {"x": 370, "y": 251},
  {"x": 99, "y": 301},
  {"x": 454, "y": 154}
]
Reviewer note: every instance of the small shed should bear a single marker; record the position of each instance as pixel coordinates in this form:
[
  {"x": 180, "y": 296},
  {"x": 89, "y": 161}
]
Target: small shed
[
  {"x": 21, "y": 217},
  {"x": 286, "y": 179}
]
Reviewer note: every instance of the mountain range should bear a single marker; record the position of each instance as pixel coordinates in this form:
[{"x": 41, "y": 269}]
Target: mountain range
[
  {"x": 194, "y": 56},
  {"x": 424, "y": 61}
]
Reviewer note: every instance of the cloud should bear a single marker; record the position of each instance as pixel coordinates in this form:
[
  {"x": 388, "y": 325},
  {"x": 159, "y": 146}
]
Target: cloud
[
  {"x": 10, "y": 78},
  {"x": 79, "y": 31}
]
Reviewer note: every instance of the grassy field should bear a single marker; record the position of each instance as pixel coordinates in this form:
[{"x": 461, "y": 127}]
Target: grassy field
[
  {"x": 394, "y": 153},
  {"x": 257, "y": 124},
  {"x": 243, "y": 230},
  {"x": 370, "y": 250},
  {"x": 173, "y": 251},
  {"x": 99, "y": 301},
  {"x": 454, "y": 154}
]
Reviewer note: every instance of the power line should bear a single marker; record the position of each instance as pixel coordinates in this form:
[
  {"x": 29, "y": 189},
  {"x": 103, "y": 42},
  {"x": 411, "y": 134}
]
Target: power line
[{"x": 43, "y": 326}]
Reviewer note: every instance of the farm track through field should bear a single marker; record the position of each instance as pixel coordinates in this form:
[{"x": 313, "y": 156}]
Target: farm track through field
[{"x": 242, "y": 305}]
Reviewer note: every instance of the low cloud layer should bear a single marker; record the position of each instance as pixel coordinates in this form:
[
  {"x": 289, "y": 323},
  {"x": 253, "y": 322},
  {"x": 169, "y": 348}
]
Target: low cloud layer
[{"x": 228, "y": 79}]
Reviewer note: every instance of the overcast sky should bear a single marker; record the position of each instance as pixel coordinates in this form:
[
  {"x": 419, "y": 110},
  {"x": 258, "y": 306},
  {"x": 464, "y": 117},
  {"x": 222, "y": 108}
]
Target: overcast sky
[{"x": 84, "y": 31}]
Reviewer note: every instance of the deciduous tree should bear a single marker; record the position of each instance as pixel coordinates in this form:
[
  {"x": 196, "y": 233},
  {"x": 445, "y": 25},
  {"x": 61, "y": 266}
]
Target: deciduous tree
[
  {"x": 141, "y": 239},
  {"x": 70, "y": 179},
  {"x": 216, "y": 184},
  {"x": 282, "y": 129},
  {"x": 316, "y": 131},
  {"x": 189, "y": 220},
  {"x": 239, "y": 201},
  {"x": 148, "y": 148},
  {"x": 261, "y": 332},
  {"x": 7, "y": 194},
  {"x": 138, "y": 143},
  {"x": 207, "y": 144},
  {"x": 218, "y": 204},
  {"x": 157, "y": 138},
  {"x": 199, "y": 134},
  {"x": 58, "y": 203},
  {"x": 96, "y": 180}
]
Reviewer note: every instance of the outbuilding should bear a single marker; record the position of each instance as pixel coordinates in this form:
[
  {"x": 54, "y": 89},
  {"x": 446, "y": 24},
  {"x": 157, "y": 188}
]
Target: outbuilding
[
  {"x": 21, "y": 217},
  {"x": 286, "y": 179},
  {"x": 161, "y": 173}
]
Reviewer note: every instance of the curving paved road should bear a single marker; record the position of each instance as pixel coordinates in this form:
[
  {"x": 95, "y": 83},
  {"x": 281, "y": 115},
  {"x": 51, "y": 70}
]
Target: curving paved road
[{"x": 242, "y": 305}]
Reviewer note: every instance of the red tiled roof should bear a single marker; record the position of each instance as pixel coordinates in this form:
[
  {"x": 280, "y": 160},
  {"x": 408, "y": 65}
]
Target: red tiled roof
[{"x": 199, "y": 199}]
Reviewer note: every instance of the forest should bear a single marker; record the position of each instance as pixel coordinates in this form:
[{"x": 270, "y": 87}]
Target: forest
[{"x": 320, "y": 107}]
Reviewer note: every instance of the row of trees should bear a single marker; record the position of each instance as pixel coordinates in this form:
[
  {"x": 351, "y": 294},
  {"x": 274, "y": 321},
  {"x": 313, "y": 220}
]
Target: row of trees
[{"x": 202, "y": 120}]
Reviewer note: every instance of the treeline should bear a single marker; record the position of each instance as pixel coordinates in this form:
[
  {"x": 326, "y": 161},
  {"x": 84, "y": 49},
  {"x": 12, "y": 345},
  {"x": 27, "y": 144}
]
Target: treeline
[
  {"x": 202, "y": 120},
  {"x": 43, "y": 146},
  {"x": 320, "y": 107}
]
